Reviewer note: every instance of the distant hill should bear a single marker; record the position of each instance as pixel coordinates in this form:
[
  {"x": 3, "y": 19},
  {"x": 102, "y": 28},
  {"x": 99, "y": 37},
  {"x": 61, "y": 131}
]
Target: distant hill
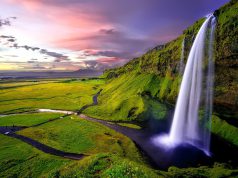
[{"x": 49, "y": 74}]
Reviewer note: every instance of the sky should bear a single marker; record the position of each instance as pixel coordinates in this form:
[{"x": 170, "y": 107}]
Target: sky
[{"x": 69, "y": 35}]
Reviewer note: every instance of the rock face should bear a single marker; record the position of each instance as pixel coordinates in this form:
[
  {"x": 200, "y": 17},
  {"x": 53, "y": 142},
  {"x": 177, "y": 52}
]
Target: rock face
[{"x": 163, "y": 62}]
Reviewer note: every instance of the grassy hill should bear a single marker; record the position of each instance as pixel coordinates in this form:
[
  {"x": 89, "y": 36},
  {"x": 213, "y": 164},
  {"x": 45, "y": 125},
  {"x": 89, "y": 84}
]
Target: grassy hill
[{"x": 145, "y": 86}]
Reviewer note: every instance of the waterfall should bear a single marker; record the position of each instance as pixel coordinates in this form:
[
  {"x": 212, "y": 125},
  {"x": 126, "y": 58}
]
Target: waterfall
[
  {"x": 187, "y": 125},
  {"x": 206, "y": 127},
  {"x": 181, "y": 63}
]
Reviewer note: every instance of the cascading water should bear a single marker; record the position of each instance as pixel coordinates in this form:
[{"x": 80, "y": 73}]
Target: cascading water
[
  {"x": 181, "y": 63},
  {"x": 187, "y": 126},
  {"x": 206, "y": 126}
]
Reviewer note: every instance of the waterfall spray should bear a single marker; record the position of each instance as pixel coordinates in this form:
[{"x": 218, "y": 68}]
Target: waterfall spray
[{"x": 187, "y": 126}]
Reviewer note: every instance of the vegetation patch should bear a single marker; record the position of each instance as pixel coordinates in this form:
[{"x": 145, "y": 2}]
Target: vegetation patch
[
  {"x": 18, "y": 159},
  {"x": 107, "y": 165},
  {"x": 126, "y": 98},
  {"x": 70, "y": 95},
  {"x": 28, "y": 119},
  {"x": 133, "y": 126},
  {"x": 76, "y": 135},
  {"x": 224, "y": 130}
]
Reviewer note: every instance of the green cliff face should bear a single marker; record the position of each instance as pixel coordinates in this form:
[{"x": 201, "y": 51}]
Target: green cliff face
[{"x": 140, "y": 89}]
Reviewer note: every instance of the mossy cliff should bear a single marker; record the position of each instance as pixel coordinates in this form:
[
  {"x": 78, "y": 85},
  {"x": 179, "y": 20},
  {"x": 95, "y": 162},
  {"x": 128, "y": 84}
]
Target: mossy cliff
[{"x": 140, "y": 89}]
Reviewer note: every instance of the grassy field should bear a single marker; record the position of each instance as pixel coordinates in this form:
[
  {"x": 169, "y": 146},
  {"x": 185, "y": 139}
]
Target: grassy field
[
  {"x": 17, "y": 159},
  {"x": 28, "y": 119},
  {"x": 11, "y": 83},
  {"x": 73, "y": 134},
  {"x": 110, "y": 153},
  {"x": 111, "y": 166},
  {"x": 59, "y": 94}
]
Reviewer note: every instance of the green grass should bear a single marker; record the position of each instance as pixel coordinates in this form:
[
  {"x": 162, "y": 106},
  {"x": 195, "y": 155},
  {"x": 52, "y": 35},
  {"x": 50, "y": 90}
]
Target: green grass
[
  {"x": 7, "y": 85},
  {"x": 73, "y": 134},
  {"x": 28, "y": 119},
  {"x": 112, "y": 166},
  {"x": 107, "y": 166},
  {"x": 133, "y": 126},
  {"x": 224, "y": 130},
  {"x": 18, "y": 159},
  {"x": 124, "y": 98},
  {"x": 63, "y": 94},
  {"x": 218, "y": 170}
]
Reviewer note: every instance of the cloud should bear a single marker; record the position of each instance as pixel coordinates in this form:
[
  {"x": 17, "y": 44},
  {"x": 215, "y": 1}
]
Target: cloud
[
  {"x": 12, "y": 56},
  {"x": 6, "y": 36},
  {"x": 109, "y": 43},
  {"x": 37, "y": 66},
  {"x": 106, "y": 53},
  {"x": 110, "y": 31},
  {"x": 110, "y": 60},
  {"x": 6, "y": 22},
  {"x": 26, "y": 47},
  {"x": 59, "y": 57},
  {"x": 103, "y": 63},
  {"x": 12, "y": 42},
  {"x": 31, "y": 61}
]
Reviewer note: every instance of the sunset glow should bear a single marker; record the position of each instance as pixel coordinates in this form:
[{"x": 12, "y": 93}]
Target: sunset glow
[{"x": 72, "y": 35}]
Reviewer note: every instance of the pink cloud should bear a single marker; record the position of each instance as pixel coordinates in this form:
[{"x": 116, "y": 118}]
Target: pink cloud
[
  {"x": 63, "y": 23},
  {"x": 107, "y": 60},
  {"x": 112, "y": 31}
]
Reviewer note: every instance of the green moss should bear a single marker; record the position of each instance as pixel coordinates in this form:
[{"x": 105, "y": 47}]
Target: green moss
[
  {"x": 154, "y": 109},
  {"x": 165, "y": 85},
  {"x": 224, "y": 130}
]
